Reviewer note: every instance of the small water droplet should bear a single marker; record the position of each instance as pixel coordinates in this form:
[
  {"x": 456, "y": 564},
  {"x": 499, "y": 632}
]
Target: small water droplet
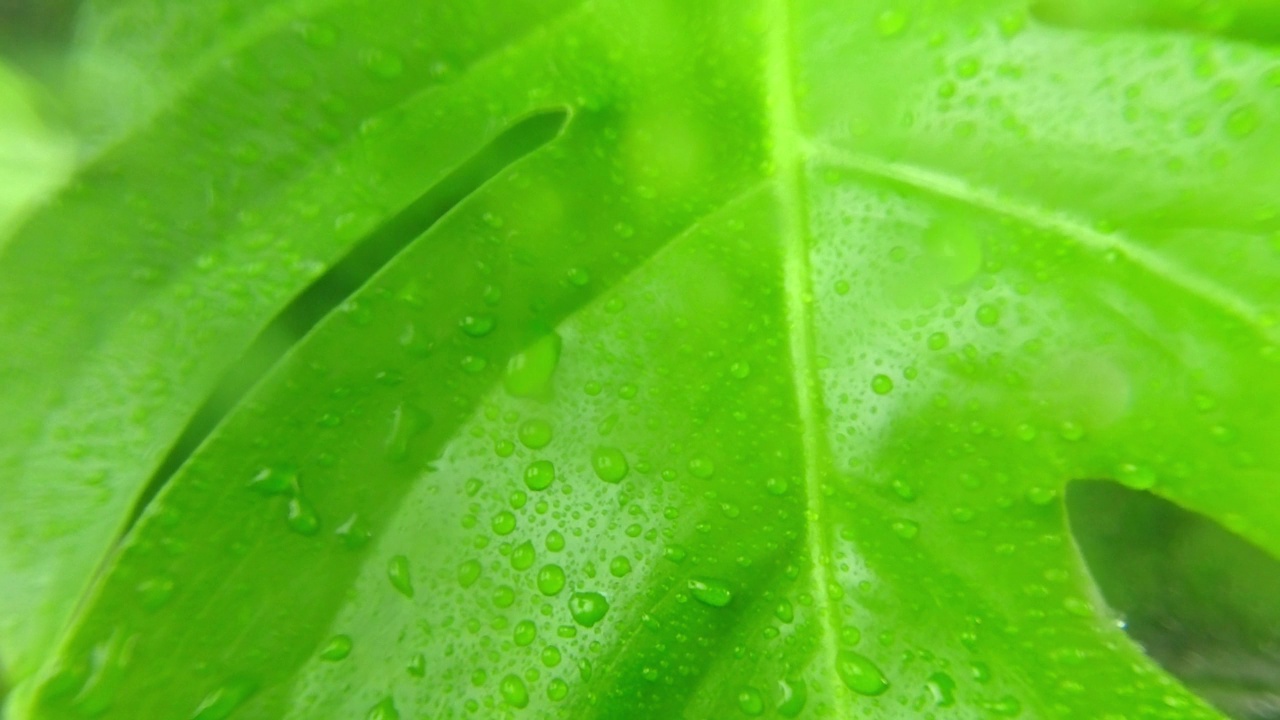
[
  {"x": 468, "y": 573},
  {"x": 504, "y": 523},
  {"x": 942, "y": 688},
  {"x": 554, "y": 541},
  {"x": 154, "y": 592},
  {"x": 514, "y": 692},
  {"x": 1138, "y": 477},
  {"x": 938, "y": 341},
  {"x": 417, "y": 665},
  {"x": 588, "y": 608},
  {"x": 221, "y": 703},
  {"x": 557, "y": 690},
  {"x": 905, "y": 529},
  {"x": 750, "y": 702},
  {"x": 891, "y": 22},
  {"x": 1243, "y": 121},
  {"x": 859, "y": 674},
  {"x": 529, "y": 372},
  {"x": 398, "y": 574},
  {"x": 384, "y": 710},
  {"x": 302, "y": 516},
  {"x": 620, "y": 566},
  {"x": 882, "y": 384},
  {"x": 702, "y": 468},
  {"x": 473, "y": 364},
  {"x": 710, "y": 591},
  {"x": 338, "y": 648},
  {"x": 525, "y": 633},
  {"x": 1071, "y": 430},
  {"x": 987, "y": 315},
  {"x": 523, "y": 555},
  {"x": 535, "y": 434},
  {"x": 539, "y": 475},
  {"x": 610, "y": 464},
  {"x": 675, "y": 553},
  {"x": 550, "y": 580},
  {"x": 740, "y": 369},
  {"x": 383, "y": 63},
  {"x": 477, "y": 326},
  {"x": 792, "y": 696},
  {"x": 270, "y": 481}
]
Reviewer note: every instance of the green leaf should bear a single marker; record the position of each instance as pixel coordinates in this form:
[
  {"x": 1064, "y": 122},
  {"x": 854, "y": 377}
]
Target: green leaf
[{"x": 755, "y": 390}]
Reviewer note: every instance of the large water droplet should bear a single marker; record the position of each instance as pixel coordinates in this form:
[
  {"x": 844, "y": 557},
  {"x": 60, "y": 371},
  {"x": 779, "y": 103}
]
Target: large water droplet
[
  {"x": 384, "y": 710},
  {"x": 504, "y": 523},
  {"x": 523, "y": 556},
  {"x": 710, "y": 591},
  {"x": 529, "y": 372},
  {"x": 219, "y": 704},
  {"x": 514, "y": 691},
  {"x": 859, "y": 674},
  {"x": 398, "y": 574},
  {"x": 792, "y": 696},
  {"x": 610, "y": 464},
  {"x": 468, "y": 573},
  {"x": 588, "y": 608},
  {"x": 539, "y": 475},
  {"x": 338, "y": 648},
  {"x": 535, "y": 434},
  {"x": 750, "y": 702},
  {"x": 550, "y": 580}
]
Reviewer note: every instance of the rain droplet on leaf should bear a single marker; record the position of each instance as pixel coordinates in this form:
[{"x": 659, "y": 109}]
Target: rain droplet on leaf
[
  {"x": 859, "y": 674},
  {"x": 398, "y": 574},
  {"x": 710, "y": 591},
  {"x": 610, "y": 464},
  {"x": 588, "y": 608}
]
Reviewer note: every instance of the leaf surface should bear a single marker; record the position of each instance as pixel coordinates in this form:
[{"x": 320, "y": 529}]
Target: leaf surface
[{"x": 753, "y": 391}]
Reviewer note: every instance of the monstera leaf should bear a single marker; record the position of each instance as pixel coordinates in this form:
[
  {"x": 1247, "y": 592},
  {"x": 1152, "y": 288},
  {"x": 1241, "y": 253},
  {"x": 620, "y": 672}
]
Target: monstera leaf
[{"x": 631, "y": 359}]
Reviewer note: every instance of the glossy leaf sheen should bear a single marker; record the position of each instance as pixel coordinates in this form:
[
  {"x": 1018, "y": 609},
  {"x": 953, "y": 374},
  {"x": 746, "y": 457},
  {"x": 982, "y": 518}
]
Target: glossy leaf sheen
[{"x": 753, "y": 392}]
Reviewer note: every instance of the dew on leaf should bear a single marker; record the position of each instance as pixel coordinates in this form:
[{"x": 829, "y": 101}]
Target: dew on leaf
[
  {"x": 275, "y": 481},
  {"x": 302, "y": 516},
  {"x": 905, "y": 529},
  {"x": 384, "y": 64},
  {"x": 529, "y": 372},
  {"x": 539, "y": 475},
  {"x": 942, "y": 688},
  {"x": 398, "y": 574},
  {"x": 1138, "y": 477},
  {"x": 793, "y": 694},
  {"x": 338, "y": 648},
  {"x": 740, "y": 369},
  {"x": 417, "y": 665},
  {"x": 859, "y": 674},
  {"x": 987, "y": 315},
  {"x": 154, "y": 592},
  {"x": 750, "y": 702},
  {"x": 504, "y": 523},
  {"x": 675, "y": 553},
  {"x": 384, "y": 710},
  {"x": 535, "y": 434},
  {"x": 551, "y": 656},
  {"x": 610, "y": 464},
  {"x": 882, "y": 384},
  {"x": 514, "y": 692},
  {"x": 710, "y": 591},
  {"x": 620, "y": 566},
  {"x": 473, "y": 363},
  {"x": 937, "y": 341},
  {"x": 477, "y": 325},
  {"x": 588, "y": 608},
  {"x": 525, "y": 633},
  {"x": 702, "y": 468},
  {"x": 550, "y": 580},
  {"x": 557, "y": 690},
  {"x": 554, "y": 541},
  {"x": 1242, "y": 122},
  {"x": 891, "y": 22},
  {"x": 523, "y": 555},
  {"x": 468, "y": 573},
  {"x": 221, "y": 703},
  {"x": 504, "y": 596}
]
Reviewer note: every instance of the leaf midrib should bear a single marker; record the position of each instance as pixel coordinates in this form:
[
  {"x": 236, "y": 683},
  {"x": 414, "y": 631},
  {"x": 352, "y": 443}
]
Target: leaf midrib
[{"x": 787, "y": 158}]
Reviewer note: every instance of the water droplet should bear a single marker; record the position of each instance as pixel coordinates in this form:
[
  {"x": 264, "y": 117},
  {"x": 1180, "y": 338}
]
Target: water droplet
[
  {"x": 154, "y": 592},
  {"x": 905, "y": 529},
  {"x": 938, "y": 341},
  {"x": 219, "y": 704},
  {"x": 1243, "y": 121},
  {"x": 302, "y": 516},
  {"x": 539, "y": 475},
  {"x": 785, "y": 611},
  {"x": 792, "y": 696},
  {"x": 710, "y": 591},
  {"x": 675, "y": 553},
  {"x": 417, "y": 665},
  {"x": 942, "y": 688},
  {"x": 1041, "y": 496},
  {"x": 620, "y": 567},
  {"x": 1071, "y": 430},
  {"x": 750, "y": 702},
  {"x": 554, "y": 541},
  {"x": 406, "y": 422},
  {"x": 398, "y": 574},
  {"x": 987, "y": 315},
  {"x": 477, "y": 325},
  {"x": 859, "y": 674},
  {"x": 882, "y": 384},
  {"x": 473, "y": 363},
  {"x": 468, "y": 573},
  {"x": 702, "y": 468},
  {"x": 579, "y": 277},
  {"x": 504, "y": 523},
  {"x": 383, "y": 63},
  {"x": 529, "y": 372},
  {"x": 557, "y": 690},
  {"x": 338, "y": 648},
  {"x": 525, "y": 633},
  {"x": 384, "y": 710},
  {"x": 891, "y": 22},
  {"x": 550, "y": 580},
  {"x": 514, "y": 691},
  {"x": 740, "y": 369},
  {"x": 535, "y": 434},
  {"x": 523, "y": 556},
  {"x": 275, "y": 481},
  {"x": 588, "y": 608},
  {"x": 610, "y": 464},
  {"x": 1138, "y": 477}
]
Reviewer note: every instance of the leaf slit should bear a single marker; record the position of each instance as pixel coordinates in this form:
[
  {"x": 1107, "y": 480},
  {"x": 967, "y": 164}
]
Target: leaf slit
[{"x": 329, "y": 290}]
